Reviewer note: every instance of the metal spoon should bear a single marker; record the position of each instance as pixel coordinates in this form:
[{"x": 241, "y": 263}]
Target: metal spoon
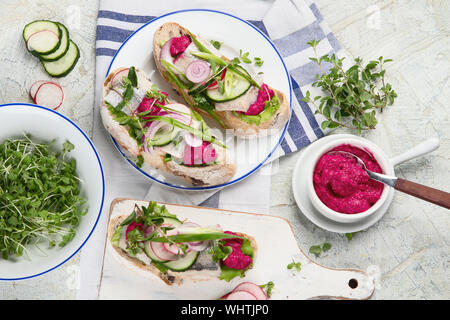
[{"x": 439, "y": 197}]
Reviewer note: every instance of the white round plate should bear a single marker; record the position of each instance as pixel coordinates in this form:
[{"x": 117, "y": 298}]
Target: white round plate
[
  {"x": 300, "y": 176},
  {"x": 46, "y": 125},
  {"x": 236, "y": 34}
]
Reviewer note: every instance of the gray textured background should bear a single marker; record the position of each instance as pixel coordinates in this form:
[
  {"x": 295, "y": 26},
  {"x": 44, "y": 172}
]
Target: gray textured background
[{"x": 408, "y": 250}]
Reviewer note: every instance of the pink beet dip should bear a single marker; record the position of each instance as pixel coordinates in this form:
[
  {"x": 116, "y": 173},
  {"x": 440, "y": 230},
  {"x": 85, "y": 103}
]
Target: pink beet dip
[
  {"x": 178, "y": 45},
  {"x": 236, "y": 259},
  {"x": 342, "y": 185},
  {"x": 264, "y": 94}
]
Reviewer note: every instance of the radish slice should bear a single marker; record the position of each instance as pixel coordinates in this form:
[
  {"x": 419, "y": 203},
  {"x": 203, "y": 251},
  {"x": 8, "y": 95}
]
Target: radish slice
[
  {"x": 198, "y": 71},
  {"x": 199, "y": 245},
  {"x": 252, "y": 288},
  {"x": 192, "y": 140},
  {"x": 215, "y": 85},
  {"x": 35, "y": 86},
  {"x": 49, "y": 95},
  {"x": 42, "y": 41},
  {"x": 209, "y": 154},
  {"x": 241, "y": 295},
  {"x": 179, "y": 112},
  {"x": 117, "y": 78},
  {"x": 192, "y": 155},
  {"x": 161, "y": 252}
]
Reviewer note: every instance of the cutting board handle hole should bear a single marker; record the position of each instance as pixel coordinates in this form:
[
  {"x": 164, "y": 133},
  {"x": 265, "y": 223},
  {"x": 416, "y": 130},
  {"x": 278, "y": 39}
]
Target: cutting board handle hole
[{"x": 353, "y": 283}]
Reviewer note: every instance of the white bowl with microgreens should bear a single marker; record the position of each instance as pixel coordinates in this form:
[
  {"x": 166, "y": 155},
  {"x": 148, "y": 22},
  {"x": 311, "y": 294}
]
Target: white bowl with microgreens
[{"x": 51, "y": 190}]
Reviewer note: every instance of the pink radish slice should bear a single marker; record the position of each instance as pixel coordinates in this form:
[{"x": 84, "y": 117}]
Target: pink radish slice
[
  {"x": 174, "y": 249},
  {"x": 241, "y": 295},
  {"x": 35, "y": 86},
  {"x": 252, "y": 288},
  {"x": 42, "y": 41},
  {"x": 198, "y": 71},
  {"x": 49, "y": 95},
  {"x": 117, "y": 78},
  {"x": 161, "y": 252},
  {"x": 209, "y": 154},
  {"x": 179, "y": 112},
  {"x": 192, "y": 155},
  {"x": 192, "y": 140},
  {"x": 165, "y": 52},
  {"x": 215, "y": 85}
]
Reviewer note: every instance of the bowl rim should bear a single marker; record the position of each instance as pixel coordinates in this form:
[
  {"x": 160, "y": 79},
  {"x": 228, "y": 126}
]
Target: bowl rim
[
  {"x": 381, "y": 158},
  {"x": 103, "y": 185}
]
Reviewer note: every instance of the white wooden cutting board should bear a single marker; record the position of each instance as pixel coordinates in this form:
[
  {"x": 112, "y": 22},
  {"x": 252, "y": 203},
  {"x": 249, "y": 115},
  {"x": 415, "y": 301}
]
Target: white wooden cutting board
[{"x": 276, "y": 249}]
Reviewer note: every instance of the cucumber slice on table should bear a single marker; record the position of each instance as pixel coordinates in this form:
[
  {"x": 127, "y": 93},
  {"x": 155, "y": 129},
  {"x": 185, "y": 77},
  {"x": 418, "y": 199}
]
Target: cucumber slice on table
[
  {"x": 64, "y": 46},
  {"x": 239, "y": 86},
  {"x": 43, "y": 25},
  {"x": 65, "y": 64}
]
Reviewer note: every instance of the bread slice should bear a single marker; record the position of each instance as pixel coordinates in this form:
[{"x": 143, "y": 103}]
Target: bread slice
[
  {"x": 215, "y": 174},
  {"x": 203, "y": 270},
  {"x": 231, "y": 121}
]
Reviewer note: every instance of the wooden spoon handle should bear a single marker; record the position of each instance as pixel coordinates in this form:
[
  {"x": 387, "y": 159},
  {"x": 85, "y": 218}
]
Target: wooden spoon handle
[{"x": 439, "y": 197}]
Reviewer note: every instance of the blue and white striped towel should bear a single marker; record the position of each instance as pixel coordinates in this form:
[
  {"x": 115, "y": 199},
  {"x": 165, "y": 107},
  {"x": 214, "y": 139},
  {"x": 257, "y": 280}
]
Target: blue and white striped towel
[{"x": 289, "y": 23}]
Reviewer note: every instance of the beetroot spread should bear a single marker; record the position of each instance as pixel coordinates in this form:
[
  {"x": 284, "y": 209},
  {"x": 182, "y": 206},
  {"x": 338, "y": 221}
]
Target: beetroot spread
[
  {"x": 132, "y": 226},
  {"x": 342, "y": 185},
  {"x": 149, "y": 104},
  {"x": 264, "y": 94},
  {"x": 178, "y": 45},
  {"x": 236, "y": 259}
]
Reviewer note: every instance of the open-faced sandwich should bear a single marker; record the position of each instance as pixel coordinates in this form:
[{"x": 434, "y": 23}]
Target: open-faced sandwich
[
  {"x": 166, "y": 135},
  {"x": 175, "y": 250},
  {"x": 215, "y": 85}
]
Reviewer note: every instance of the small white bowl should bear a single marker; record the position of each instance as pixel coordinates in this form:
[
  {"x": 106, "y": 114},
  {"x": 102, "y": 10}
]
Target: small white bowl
[
  {"x": 46, "y": 125},
  {"x": 379, "y": 156}
]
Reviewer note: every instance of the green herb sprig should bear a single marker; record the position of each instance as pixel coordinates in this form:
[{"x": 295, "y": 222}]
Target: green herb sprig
[
  {"x": 296, "y": 265},
  {"x": 356, "y": 93},
  {"x": 318, "y": 249}
]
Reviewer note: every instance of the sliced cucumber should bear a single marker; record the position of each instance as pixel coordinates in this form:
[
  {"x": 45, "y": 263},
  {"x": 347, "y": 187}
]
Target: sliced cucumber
[
  {"x": 64, "y": 46},
  {"x": 149, "y": 252},
  {"x": 65, "y": 64},
  {"x": 147, "y": 247},
  {"x": 237, "y": 86},
  {"x": 40, "y": 25},
  {"x": 162, "y": 137},
  {"x": 172, "y": 221},
  {"x": 184, "y": 263}
]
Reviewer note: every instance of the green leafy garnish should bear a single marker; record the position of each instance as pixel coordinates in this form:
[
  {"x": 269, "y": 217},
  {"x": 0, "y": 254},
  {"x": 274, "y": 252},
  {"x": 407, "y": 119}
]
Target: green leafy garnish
[
  {"x": 258, "y": 61},
  {"x": 356, "y": 93},
  {"x": 317, "y": 249},
  {"x": 132, "y": 76},
  {"x": 244, "y": 56},
  {"x": 349, "y": 236},
  {"x": 216, "y": 44},
  {"x": 40, "y": 195},
  {"x": 167, "y": 157},
  {"x": 139, "y": 161},
  {"x": 271, "y": 106},
  {"x": 296, "y": 265},
  {"x": 268, "y": 287}
]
